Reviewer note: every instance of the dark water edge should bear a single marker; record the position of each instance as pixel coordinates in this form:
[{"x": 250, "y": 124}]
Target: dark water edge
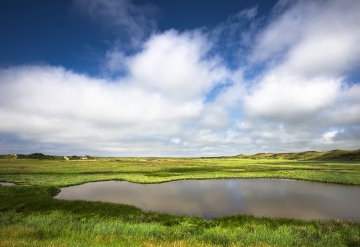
[{"x": 221, "y": 197}]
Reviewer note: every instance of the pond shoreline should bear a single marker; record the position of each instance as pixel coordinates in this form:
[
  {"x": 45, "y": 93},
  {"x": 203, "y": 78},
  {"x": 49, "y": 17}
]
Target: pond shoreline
[
  {"x": 28, "y": 210},
  {"x": 214, "y": 198}
]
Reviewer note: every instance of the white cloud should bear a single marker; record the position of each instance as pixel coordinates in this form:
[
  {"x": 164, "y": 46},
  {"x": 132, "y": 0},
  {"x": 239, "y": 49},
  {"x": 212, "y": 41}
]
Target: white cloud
[
  {"x": 279, "y": 35},
  {"x": 68, "y": 105},
  {"x": 115, "y": 61},
  {"x": 174, "y": 64},
  {"x": 162, "y": 98},
  {"x": 313, "y": 38},
  {"x": 346, "y": 109},
  {"x": 328, "y": 136},
  {"x": 308, "y": 48},
  {"x": 287, "y": 98},
  {"x": 175, "y": 96},
  {"x": 296, "y": 102}
]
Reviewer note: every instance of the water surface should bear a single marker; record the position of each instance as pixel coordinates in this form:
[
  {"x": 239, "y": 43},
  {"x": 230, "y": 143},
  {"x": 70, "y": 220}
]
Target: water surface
[
  {"x": 7, "y": 184},
  {"x": 220, "y": 197}
]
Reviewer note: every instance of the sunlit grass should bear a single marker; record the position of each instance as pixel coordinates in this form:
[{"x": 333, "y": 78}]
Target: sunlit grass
[
  {"x": 155, "y": 170},
  {"x": 66, "y": 229},
  {"x": 29, "y": 216}
]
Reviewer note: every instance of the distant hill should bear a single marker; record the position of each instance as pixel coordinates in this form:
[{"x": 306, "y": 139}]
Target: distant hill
[
  {"x": 335, "y": 155},
  {"x": 340, "y": 155},
  {"x": 40, "y": 156}
]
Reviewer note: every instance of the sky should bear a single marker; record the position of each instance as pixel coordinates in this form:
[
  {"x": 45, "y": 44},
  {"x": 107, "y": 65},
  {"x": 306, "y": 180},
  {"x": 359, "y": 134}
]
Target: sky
[{"x": 179, "y": 78}]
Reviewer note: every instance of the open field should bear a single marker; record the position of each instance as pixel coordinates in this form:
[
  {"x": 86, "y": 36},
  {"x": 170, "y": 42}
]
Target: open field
[
  {"x": 30, "y": 216},
  {"x": 155, "y": 170}
]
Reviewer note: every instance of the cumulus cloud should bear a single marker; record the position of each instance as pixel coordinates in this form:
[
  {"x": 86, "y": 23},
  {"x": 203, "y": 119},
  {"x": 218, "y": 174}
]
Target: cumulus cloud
[
  {"x": 176, "y": 65},
  {"x": 301, "y": 99},
  {"x": 186, "y": 93},
  {"x": 288, "y": 98},
  {"x": 346, "y": 110},
  {"x": 157, "y": 102},
  {"x": 48, "y": 94},
  {"x": 312, "y": 38},
  {"x": 315, "y": 40}
]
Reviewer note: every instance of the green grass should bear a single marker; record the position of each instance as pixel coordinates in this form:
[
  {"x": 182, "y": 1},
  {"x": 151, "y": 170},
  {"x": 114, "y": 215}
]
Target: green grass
[
  {"x": 29, "y": 216},
  {"x": 155, "y": 170}
]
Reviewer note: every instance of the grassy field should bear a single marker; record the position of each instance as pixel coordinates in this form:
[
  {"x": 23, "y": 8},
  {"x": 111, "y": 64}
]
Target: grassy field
[{"x": 29, "y": 216}]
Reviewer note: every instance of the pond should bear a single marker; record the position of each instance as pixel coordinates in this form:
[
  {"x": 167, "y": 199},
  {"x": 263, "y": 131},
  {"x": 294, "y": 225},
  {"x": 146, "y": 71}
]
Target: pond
[
  {"x": 7, "y": 184},
  {"x": 220, "y": 197}
]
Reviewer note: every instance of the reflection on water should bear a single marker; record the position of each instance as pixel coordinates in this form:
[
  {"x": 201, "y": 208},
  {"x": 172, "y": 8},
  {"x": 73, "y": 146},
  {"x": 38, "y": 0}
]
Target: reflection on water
[
  {"x": 7, "y": 184},
  {"x": 215, "y": 198}
]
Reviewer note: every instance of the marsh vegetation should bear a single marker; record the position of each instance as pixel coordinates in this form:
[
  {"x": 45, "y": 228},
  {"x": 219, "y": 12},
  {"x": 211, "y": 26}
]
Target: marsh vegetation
[{"x": 30, "y": 216}]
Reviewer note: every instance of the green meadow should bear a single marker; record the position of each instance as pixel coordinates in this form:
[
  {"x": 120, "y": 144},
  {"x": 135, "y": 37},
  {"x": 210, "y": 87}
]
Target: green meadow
[{"x": 29, "y": 216}]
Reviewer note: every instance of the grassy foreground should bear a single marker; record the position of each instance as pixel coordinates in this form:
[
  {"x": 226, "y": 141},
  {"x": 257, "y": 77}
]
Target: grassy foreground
[{"x": 29, "y": 216}]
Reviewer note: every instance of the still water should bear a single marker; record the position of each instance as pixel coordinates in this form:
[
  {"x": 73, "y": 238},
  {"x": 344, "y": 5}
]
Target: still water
[
  {"x": 214, "y": 198},
  {"x": 7, "y": 184}
]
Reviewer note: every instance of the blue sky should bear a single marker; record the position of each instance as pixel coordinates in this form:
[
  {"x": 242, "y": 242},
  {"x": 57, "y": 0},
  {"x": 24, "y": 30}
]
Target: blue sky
[{"x": 178, "y": 78}]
